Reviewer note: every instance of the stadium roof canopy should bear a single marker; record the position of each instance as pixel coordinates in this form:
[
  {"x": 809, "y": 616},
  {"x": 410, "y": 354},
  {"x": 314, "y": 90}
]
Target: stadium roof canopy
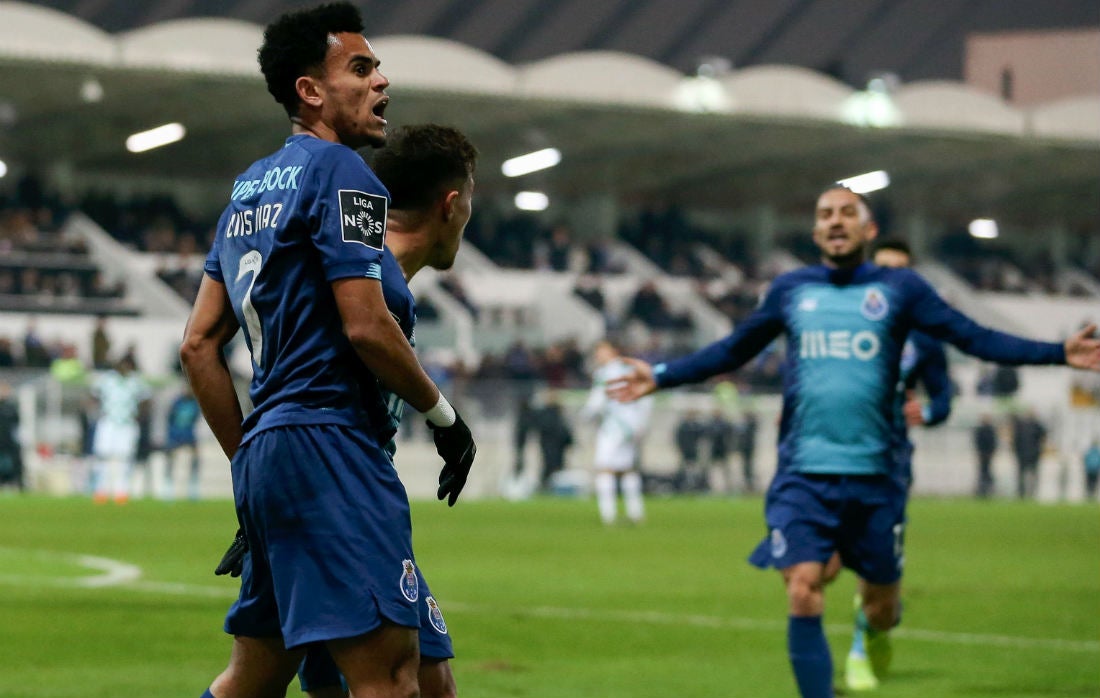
[
  {"x": 850, "y": 39},
  {"x": 626, "y": 125}
]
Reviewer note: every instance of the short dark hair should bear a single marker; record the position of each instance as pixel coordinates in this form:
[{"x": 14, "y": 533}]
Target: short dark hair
[
  {"x": 296, "y": 44},
  {"x": 420, "y": 161},
  {"x": 895, "y": 244}
]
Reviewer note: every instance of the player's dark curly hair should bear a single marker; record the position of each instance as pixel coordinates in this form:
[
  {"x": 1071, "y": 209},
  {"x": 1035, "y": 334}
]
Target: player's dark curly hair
[
  {"x": 421, "y": 161},
  {"x": 295, "y": 44}
]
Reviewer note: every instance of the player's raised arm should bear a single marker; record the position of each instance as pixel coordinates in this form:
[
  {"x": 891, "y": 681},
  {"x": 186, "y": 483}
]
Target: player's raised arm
[
  {"x": 210, "y": 327},
  {"x": 931, "y": 314},
  {"x": 727, "y": 354}
]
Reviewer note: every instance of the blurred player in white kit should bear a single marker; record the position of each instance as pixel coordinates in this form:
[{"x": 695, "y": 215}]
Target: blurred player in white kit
[{"x": 622, "y": 427}]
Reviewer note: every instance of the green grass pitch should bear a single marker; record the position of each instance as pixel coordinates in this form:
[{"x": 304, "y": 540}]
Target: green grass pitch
[{"x": 1002, "y": 599}]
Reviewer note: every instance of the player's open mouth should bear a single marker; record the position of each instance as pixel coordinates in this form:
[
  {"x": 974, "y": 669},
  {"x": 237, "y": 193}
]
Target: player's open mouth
[{"x": 380, "y": 108}]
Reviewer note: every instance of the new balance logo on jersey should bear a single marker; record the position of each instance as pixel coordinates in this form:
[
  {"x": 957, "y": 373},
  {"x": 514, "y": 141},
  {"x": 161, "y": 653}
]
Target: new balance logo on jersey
[
  {"x": 839, "y": 344},
  {"x": 363, "y": 218}
]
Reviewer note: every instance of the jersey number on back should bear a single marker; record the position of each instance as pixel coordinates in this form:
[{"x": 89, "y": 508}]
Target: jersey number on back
[{"x": 250, "y": 264}]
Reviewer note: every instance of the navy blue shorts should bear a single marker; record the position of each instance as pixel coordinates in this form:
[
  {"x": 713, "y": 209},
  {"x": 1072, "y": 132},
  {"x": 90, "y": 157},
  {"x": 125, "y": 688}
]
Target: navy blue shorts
[
  {"x": 329, "y": 535},
  {"x": 318, "y": 670},
  {"x": 811, "y": 516}
]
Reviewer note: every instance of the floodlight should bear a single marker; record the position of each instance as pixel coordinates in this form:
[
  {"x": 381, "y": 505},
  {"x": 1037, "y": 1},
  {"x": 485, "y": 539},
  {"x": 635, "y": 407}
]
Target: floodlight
[
  {"x": 532, "y": 201},
  {"x": 866, "y": 182},
  {"x": 91, "y": 91},
  {"x": 985, "y": 228},
  {"x": 155, "y": 137},
  {"x": 3, "y": 168},
  {"x": 531, "y": 162}
]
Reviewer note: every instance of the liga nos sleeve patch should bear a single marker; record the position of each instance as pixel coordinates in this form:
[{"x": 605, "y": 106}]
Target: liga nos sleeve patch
[{"x": 363, "y": 218}]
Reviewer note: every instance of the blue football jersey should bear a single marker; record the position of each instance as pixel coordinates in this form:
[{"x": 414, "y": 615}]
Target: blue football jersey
[
  {"x": 297, "y": 220},
  {"x": 845, "y": 331},
  {"x": 383, "y": 406}
]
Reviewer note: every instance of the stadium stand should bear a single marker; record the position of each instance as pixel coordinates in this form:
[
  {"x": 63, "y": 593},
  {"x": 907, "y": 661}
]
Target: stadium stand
[{"x": 688, "y": 190}]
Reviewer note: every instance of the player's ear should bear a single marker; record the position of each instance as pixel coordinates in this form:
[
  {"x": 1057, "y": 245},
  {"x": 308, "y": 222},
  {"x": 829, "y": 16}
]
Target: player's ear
[
  {"x": 450, "y": 198},
  {"x": 309, "y": 91}
]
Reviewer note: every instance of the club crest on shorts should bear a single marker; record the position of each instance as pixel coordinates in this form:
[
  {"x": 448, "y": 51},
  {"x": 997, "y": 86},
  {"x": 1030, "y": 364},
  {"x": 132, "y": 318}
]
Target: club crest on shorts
[
  {"x": 435, "y": 616},
  {"x": 874, "y": 305},
  {"x": 410, "y": 587},
  {"x": 779, "y": 544}
]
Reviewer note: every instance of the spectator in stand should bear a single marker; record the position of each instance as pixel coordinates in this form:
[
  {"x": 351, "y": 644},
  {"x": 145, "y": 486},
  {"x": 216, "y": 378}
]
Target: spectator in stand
[
  {"x": 1006, "y": 381},
  {"x": 722, "y": 435},
  {"x": 555, "y": 438},
  {"x": 7, "y": 356},
  {"x": 560, "y": 248},
  {"x": 522, "y": 427},
  {"x": 690, "y": 433},
  {"x": 11, "y": 453},
  {"x": 985, "y": 445},
  {"x": 588, "y": 289},
  {"x": 746, "y": 446},
  {"x": 101, "y": 345},
  {"x": 35, "y": 352},
  {"x": 453, "y": 285},
  {"x": 1092, "y": 469},
  {"x": 553, "y": 368},
  {"x": 599, "y": 256},
  {"x": 183, "y": 416},
  {"x": 519, "y": 362},
  {"x": 648, "y": 306},
  {"x": 7, "y": 283},
  {"x": 102, "y": 288},
  {"x": 1028, "y": 438}
]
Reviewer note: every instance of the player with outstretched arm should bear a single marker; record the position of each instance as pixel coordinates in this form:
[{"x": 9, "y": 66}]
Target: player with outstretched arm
[{"x": 838, "y": 487}]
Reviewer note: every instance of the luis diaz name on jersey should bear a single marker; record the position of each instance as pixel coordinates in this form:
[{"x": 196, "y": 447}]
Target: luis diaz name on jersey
[{"x": 363, "y": 218}]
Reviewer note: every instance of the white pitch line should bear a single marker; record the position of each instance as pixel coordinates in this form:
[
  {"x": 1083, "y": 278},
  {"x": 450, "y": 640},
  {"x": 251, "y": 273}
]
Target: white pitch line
[
  {"x": 122, "y": 575},
  {"x": 114, "y": 572}
]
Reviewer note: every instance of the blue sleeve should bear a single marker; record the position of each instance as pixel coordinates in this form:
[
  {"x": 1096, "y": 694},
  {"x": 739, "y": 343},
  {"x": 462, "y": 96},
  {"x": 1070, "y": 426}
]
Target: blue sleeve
[
  {"x": 932, "y": 373},
  {"x": 348, "y": 215},
  {"x": 747, "y": 340},
  {"x": 212, "y": 266},
  {"x": 931, "y": 314}
]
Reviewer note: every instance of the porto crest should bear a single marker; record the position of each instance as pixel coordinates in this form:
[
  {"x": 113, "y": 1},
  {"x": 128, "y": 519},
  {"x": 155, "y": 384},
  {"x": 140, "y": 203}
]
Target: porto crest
[
  {"x": 779, "y": 544},
  {"x": 410, "y": 587},
  {"x": 435, "y": 616},
  {"x": 874, "y": 305}
]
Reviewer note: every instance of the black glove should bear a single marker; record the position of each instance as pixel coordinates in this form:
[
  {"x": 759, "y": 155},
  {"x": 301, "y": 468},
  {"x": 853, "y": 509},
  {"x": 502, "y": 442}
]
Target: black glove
[
  {"x": 456, "y": 446},
  {"x": 233, "y": 561}
]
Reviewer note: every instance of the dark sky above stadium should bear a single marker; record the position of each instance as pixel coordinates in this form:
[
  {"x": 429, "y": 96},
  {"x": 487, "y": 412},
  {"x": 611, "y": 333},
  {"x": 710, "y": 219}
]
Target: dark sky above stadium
[{"x": 849, "y": 39}]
